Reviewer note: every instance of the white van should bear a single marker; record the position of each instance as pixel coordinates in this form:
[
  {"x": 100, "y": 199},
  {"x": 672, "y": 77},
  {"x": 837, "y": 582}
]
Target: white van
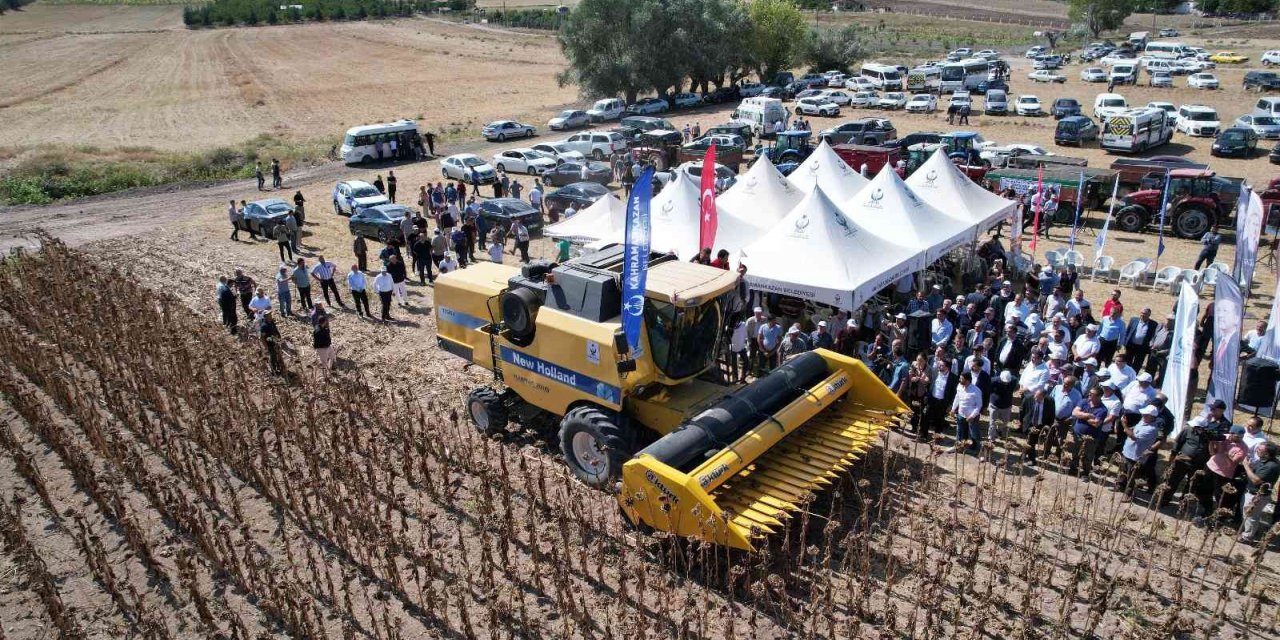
[
  {"x": 371, "y": 142},
  {"x": 606, "y": 109},
  {"x": 1166, "y": 50},
  {"x": 883, "y": 76},
  {"x": 1109, "y": 104},
  {"x": 1124, "y": 73},
  {"x": 1267, "y": 107},
  {"x": 762, "y": 113}
]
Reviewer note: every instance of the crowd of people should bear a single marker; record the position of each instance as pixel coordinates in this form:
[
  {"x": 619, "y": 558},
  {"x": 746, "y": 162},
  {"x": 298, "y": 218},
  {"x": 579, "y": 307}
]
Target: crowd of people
[{"x": 1035, "y": 370}]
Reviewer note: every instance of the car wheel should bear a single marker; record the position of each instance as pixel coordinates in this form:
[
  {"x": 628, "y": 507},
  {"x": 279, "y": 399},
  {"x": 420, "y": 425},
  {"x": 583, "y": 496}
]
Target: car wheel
[
  {"x": 337, "y": 209},
  {"x": 366, "y": 160},
  {"x": 502, "y": 137},
  {"x": 384, "y": 236},
  {"x": 444, "y": 173},
  {"x": 597, "y": 155},
  {"x": 529, "y": 134}
]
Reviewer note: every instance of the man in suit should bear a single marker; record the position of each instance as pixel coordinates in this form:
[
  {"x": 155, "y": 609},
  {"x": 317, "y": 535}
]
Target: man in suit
[
  {"x": 1010, "y": 350},
  {"x": 1158, "y": 350},
  {"x": 937, "y": 401},
  {"x": 1037, "y": 416},
  {"x": 1138, "y": 337}
]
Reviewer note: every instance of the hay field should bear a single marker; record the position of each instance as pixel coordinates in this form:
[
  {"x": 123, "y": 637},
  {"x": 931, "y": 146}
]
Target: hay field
[{"x": 110, "y": 76}]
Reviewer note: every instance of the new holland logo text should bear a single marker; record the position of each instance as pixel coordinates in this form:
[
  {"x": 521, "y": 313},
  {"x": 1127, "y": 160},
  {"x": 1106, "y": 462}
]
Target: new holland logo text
[{"x": 586, "y": 384}]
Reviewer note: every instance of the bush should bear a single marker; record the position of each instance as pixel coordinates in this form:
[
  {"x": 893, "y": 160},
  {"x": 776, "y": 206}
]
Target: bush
[{"x": 252, "y": 12}]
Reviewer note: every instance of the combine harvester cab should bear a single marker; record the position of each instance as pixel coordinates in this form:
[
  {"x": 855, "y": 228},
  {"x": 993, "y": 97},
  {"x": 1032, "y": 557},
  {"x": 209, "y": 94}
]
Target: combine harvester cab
[{"x": 735, "y": 472}]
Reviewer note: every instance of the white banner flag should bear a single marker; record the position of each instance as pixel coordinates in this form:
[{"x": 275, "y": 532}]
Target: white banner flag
[
  {"x": 1181, "y": 352},
  {"x": 1228, "y": 314},
  {"x": 1270, "y": 347},
  {"x": 1101, "y": 241},
  {"x": 1248, "y": 234}
]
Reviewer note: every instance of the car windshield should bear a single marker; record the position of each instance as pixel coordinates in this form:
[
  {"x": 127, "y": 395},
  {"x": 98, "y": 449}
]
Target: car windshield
[
  {"x": 565, "y": 114},
  {"x": 277, "y": 207},
  {"x": 892, "y": 75},
  {"x": 364, "y": 192},
  {"x": 1113, "y": 102},
  {"x": 1068, "y": 126},
  {"x": 1233, "y": 135},
  {"x": 1027, "y": 100},
  {"x": 472, "y": 162},
  {"x": 1203, "y": 116}
]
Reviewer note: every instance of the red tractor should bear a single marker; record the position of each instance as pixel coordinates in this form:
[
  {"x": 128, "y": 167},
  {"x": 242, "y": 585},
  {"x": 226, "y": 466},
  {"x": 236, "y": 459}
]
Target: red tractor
[{"x": 1194, "y": 205}]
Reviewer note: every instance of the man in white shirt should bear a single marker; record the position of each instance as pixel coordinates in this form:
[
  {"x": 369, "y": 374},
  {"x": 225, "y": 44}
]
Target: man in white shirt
[
  {"x": 1137, "y": 395},
  {"x": 941, "y": 329},
  {"x": 1018, "y": 308},
  {"x": 967, "y": 408},
  {"x": 1121, "y": 373},
  {"x": 1035, "y": 373},
  {"x": 979, "y": 355},
  {"x": 1253, "y": 436},
  {"x": 383, "y": 284},
  {"x": 1115, "y": 408},
  {"x": 1055, "y": 304},
  {"x": 358, "y": 283},
  {"x": 324, "y": 271},
  {"x": 449, "y": 264},
  {"x": 1077, "y": 304},
  {"x": 535, "y": 196},
  {"x": 1087, "y": 345},
  {"x": 1253, "y": 341},
  {"x": 521, "y": 234},
  {"x": 260, "y": 303}
]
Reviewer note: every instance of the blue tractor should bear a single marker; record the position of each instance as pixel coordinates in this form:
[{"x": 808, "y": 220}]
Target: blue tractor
[
  {"x": 961, "y": 148},
  {"x": 789, "y": 149}
]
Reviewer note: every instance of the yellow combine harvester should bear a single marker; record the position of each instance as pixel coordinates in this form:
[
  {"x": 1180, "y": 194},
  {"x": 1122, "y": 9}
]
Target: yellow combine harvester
[{"x": 729, "y": 462}]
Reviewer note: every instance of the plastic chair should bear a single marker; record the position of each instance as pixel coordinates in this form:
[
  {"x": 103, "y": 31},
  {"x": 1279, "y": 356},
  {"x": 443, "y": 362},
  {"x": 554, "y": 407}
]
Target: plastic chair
[
  {"x": 1104, "y": 265},
  {"x": 1167, "y": 277},
  {"x": 1073, "y": 258},
  {"x": 1209, "y": 276},
  {"x": 1134, "y": 272},
  {"x": 1191, "y": 277},
  {"x": 1220, "y": 266},
  {"x": 1052, "y": 258}
]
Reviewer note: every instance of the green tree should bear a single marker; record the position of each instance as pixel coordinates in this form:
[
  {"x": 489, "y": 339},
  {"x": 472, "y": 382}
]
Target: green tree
[
  {"x": 828, "y": 49},
  {"x": 613, "y": 46},
  {"x": 1099, "y": 15},
  {"x": 777, "y": 38}
]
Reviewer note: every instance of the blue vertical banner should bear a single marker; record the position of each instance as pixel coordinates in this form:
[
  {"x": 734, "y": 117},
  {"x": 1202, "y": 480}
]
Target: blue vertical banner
[
  {"x": 1075, "y": 224},
  {"x": 635, "y": 266},
  {"x": 1164, "y": 208}
]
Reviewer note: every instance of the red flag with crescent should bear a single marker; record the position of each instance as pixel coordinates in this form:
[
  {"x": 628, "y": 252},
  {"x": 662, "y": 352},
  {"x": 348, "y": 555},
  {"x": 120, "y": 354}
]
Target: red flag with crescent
[{"x": 707, "y": 228}]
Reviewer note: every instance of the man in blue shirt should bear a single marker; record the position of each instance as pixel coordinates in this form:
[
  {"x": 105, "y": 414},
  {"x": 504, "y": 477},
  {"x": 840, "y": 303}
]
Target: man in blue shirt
[
  {"x": 1089, "y": 416},
  {"x": 1112, "y": 329},
  {"x": 918, "y": 303},
  {"x": 941, "y": 328},
  {"x": 769, "y": 337}
]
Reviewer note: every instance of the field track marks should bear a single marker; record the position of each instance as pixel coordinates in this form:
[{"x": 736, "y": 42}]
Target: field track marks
[{"x": 63, "y": 86}]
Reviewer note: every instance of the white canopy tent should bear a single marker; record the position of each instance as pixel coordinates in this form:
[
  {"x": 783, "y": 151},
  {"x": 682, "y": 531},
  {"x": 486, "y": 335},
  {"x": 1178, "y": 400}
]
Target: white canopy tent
[
  {"x": 602, "y": 219},
  {"x": 818, "y": 253},
  {"x": 673, "y": 219},
  {"x": 888, "y": 207},
  {"x": 758, "y": 201},
  {"x": 825, "y": 169},
  {"x": 944, "y": 186}
]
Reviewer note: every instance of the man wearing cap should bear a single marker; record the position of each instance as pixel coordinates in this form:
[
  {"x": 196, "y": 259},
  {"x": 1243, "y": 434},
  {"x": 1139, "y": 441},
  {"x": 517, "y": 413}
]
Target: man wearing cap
[
  {"x": 821, "y": 338},
  {"x": 1138, "y": 337},
  {"x": 897, "y": 330},
  {"x": 847, "y": 338},
  {"x": 1087, "y": 346},
  {"x": 794, "y": 344},
  {"x": 1262, "y": 476},
  {"x": 1139, "y": 444},
  {"x": 754, "y": 323},
  {"x": 769, "y": 339},
  {"x": 1010, "y": 350},
  {"x": 1218, "y": 471},
  {"x": 1000, "y": 405},
  {"x": 1191, "y": 450},
  {"x": 942, "y": 392},
  {"x": 1110, "y": 395},
  {"x": 1089, "y": 377},
  {"x": 1089, "y": 416},
  {"x": 1134, "y": 398},
  {"x": 1217, "y": 420}
]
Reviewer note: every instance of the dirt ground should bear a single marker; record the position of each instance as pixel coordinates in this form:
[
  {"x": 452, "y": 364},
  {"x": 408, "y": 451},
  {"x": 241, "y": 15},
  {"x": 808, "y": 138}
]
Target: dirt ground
[
  {"x": 176, "y": 241},
  {"x": 120, "y": 76}
]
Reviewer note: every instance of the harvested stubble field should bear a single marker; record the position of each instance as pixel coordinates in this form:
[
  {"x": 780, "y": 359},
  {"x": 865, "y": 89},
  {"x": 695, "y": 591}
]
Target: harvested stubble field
[
  {"x": 158, "y": 484},
  {"x": 117, "y": 76}
]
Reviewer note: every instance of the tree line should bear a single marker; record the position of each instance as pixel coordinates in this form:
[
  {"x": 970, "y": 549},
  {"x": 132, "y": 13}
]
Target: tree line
[
  {"x": 226, "y": 13},
  {"x": 631, "y": 47}
]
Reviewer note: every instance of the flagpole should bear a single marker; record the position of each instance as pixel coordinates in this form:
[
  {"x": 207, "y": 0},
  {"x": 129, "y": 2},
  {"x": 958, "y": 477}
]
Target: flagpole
[
  {"x": 1102, "y": 236},
  {"x": 1039, "y": 200},
  {"x": 1164, "y": 209}
]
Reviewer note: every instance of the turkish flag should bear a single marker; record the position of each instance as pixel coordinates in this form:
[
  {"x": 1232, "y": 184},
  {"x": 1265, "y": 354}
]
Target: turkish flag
[{"x": 707, "y": 228}]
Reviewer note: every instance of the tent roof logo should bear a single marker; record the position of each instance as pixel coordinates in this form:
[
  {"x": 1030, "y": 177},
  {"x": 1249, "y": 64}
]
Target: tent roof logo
[
  {"x": 876, "y": 196},
  {"x": 802, "y": 222},
  {"x": 931, "y": 177}
]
